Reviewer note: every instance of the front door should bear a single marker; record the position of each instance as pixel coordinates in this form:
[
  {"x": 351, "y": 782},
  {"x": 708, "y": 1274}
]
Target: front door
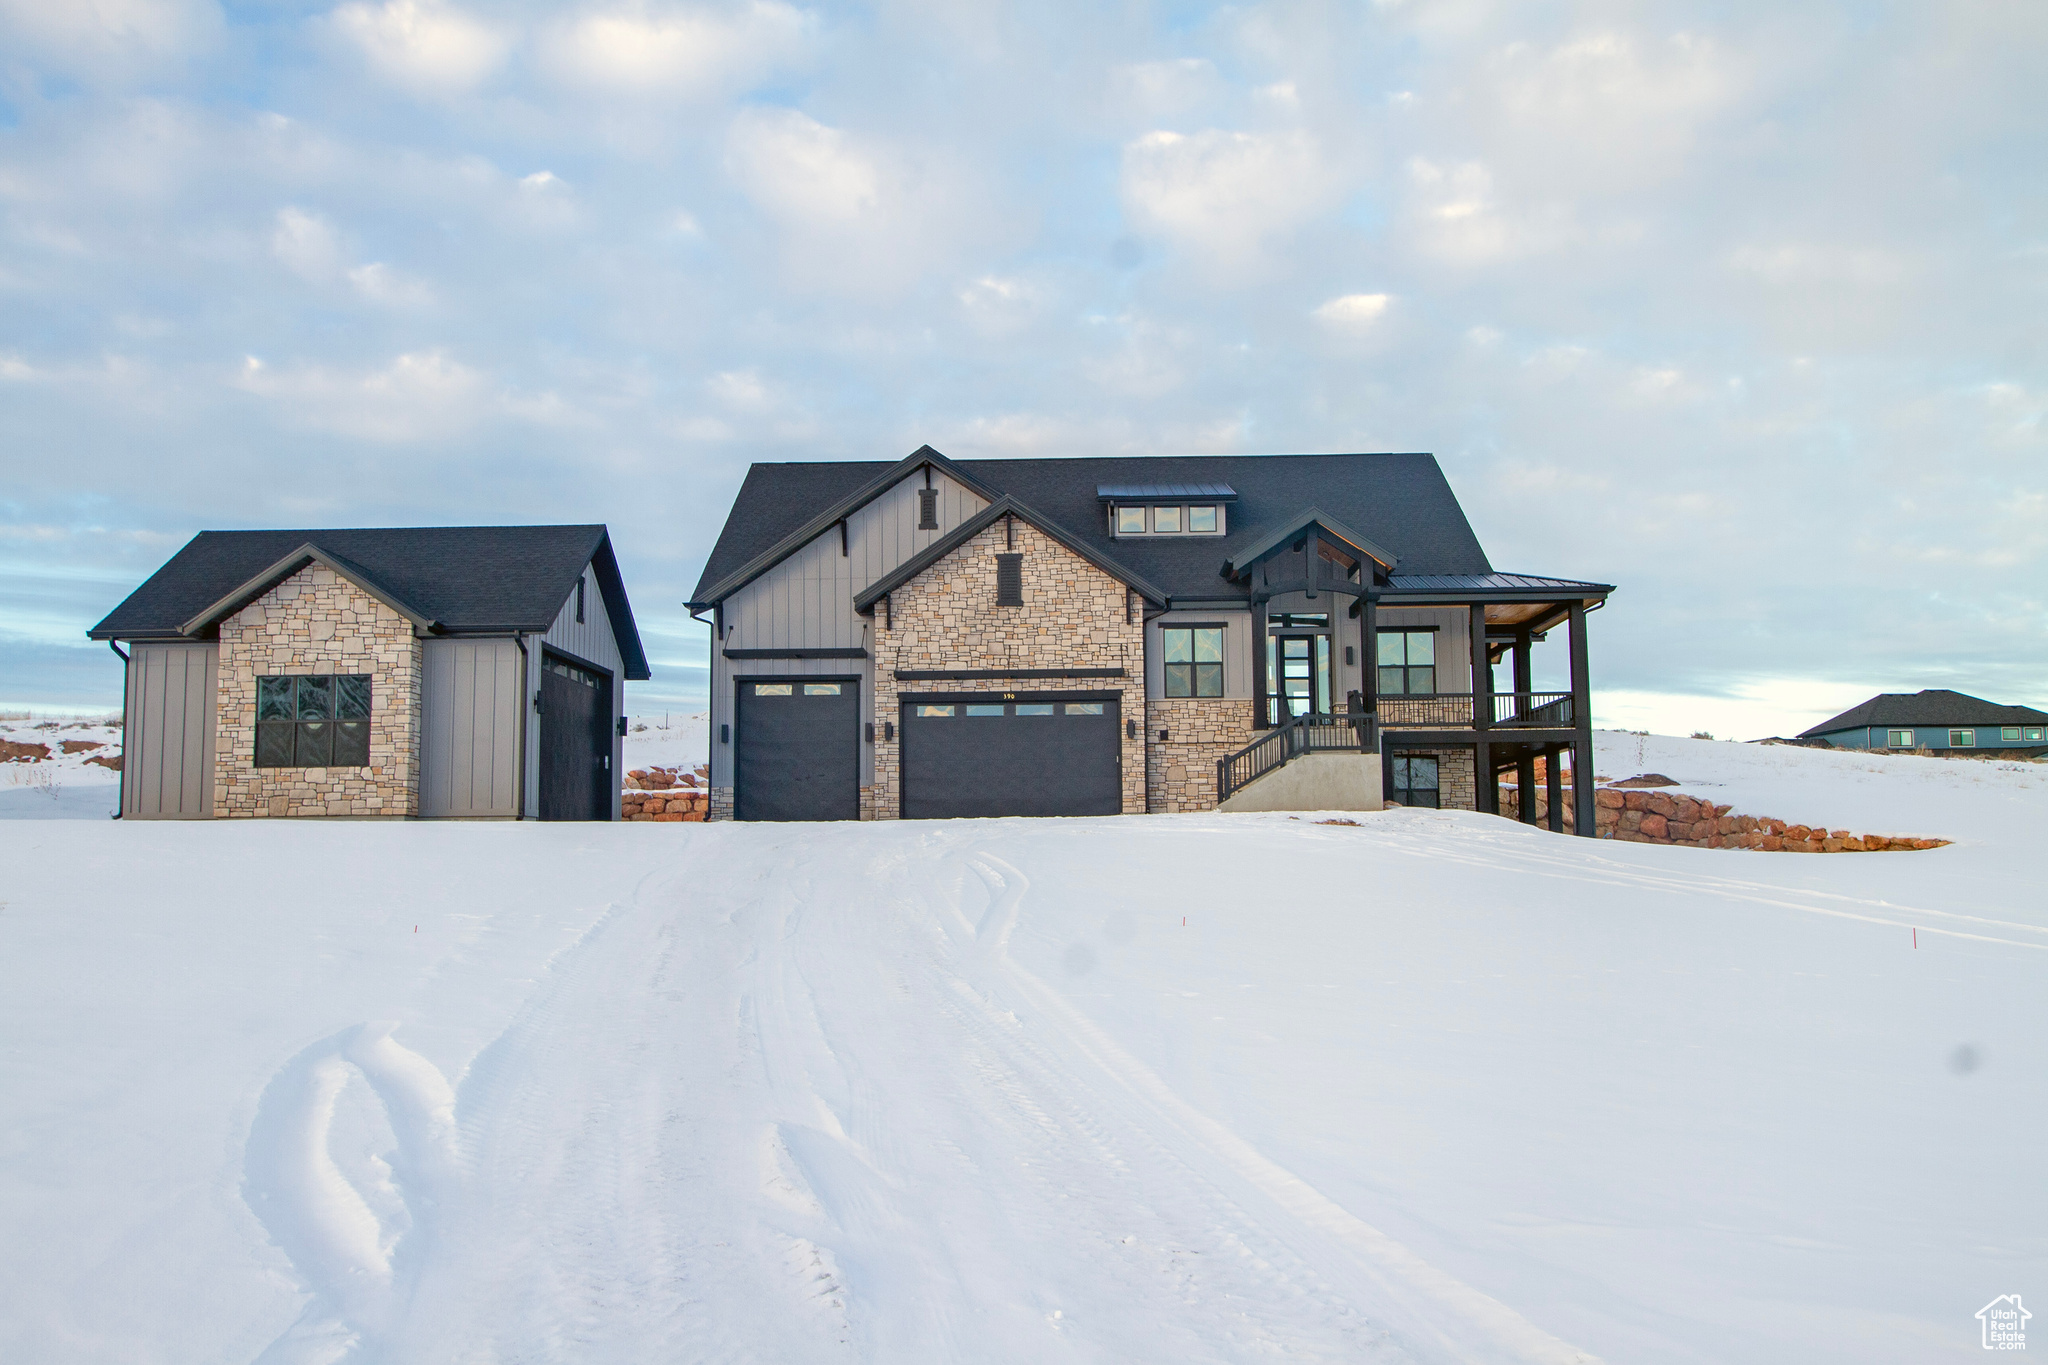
[
  {"x": 1299, "y": 666},
  {"x": 575, "y": 741}
]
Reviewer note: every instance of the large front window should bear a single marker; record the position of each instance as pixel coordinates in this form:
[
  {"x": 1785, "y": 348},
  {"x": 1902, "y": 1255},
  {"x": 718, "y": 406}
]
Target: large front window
[
  {"x": 313, "y": 722},
  {"x": 1194, "y": 660},
  {"x": 1407, "y": 663}
]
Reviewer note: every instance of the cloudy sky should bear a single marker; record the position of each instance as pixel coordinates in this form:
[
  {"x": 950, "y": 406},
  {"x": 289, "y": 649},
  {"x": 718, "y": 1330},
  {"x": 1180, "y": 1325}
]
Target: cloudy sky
[{"x": 1738, "y": 307}]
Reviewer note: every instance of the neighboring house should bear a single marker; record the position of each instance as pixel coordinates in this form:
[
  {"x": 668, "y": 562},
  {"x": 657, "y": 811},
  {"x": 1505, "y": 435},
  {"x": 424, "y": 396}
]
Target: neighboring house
[
  {"x": 471, "y": 672},
  {"x": 1093, "y": 636},
  {"x": 1937, "y": 720}
]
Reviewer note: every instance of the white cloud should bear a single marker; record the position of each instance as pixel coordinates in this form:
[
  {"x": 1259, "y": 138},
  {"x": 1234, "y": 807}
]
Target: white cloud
[
  {"x": 804, "y": 172},
  {"x": 1353, "y": 311},
  {"x": 425, "y": 45},
  {"x": 379, "y": 283},
  {"x": 307, "y": 245},
  {"x": 675, "y": 51},
  {"x": 419, "y": 396},
  {"x": 107, "y": 40},
  {"x": 1164, "y": 88},
  {"x": 1225, "y": 196}
]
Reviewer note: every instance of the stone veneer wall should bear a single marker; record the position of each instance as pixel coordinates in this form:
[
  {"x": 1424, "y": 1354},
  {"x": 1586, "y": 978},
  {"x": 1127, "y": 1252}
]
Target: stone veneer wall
[
  {"x": 1180, "y": 771},
  {"x": 1074, "y": 616},
  {"x": 318, "y": 622}
]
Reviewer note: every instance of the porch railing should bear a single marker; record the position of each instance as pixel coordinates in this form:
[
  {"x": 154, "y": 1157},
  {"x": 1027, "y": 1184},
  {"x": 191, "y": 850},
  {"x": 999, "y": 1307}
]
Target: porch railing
[
  {"x": 1346, "y": 732},
  {"x": 1551, "y": 710},
  {"x": 1453, "y": 710}
]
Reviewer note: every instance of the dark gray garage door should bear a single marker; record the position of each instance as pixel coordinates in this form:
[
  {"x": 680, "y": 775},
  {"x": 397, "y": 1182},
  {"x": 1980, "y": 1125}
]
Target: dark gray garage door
[
  {"x": 996, "y": 757},
  {"x": 575, "y": 741},
  {"x": 797, "y": 750}
]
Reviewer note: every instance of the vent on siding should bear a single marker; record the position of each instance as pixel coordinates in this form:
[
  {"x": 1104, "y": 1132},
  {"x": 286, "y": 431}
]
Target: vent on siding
[
  {"x": 927, "y": 509},
  {"x": 1009, "y": 580}
]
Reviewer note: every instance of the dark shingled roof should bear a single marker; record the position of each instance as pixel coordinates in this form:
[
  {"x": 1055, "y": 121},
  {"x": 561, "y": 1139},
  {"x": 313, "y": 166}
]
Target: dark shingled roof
[
  {"x": 1935, "y": 706},
  {"x": 468, "y": 580},
  {"x": 1401, "y": 502}
]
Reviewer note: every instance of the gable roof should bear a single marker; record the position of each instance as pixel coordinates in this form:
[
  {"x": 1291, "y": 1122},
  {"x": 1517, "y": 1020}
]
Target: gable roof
[
  {"x": 1294, "y": 526},
  {"x": 975, "y": 525},
  {"x": 1399, "y": 502},
  {"x": 456, "y": 580},
  {"x": 1935, "y": 706}
]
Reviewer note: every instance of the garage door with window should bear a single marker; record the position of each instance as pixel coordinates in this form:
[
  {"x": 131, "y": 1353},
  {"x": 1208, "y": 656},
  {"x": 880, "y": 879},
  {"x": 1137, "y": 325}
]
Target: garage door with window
[
  {"x": 797, "y": 749},
  {"x": 999, "y": 755}
]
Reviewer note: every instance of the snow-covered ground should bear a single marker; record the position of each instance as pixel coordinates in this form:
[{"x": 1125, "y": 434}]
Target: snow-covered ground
[
  {"x": 1176, "y": 1088},
  {"x": 62, "y": 786},
  {"x": 683, "y": 743}
]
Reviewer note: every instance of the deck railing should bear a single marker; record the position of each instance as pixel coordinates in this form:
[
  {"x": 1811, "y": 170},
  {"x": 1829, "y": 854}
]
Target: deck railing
[
  {"x": 1453, "y": 710},
  {"x": 1346, "y": 732}
]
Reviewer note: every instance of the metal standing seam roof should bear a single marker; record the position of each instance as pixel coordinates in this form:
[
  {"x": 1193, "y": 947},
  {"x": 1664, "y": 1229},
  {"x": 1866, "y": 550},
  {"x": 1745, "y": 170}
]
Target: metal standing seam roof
[
  {"x": 1402, "y": 502},
  {"x": 1489, "y": 582},
  {"x": 1147, "y": 492},
  {"x": 1935, "y": 706},
  {"x": 466, "y": 580}
]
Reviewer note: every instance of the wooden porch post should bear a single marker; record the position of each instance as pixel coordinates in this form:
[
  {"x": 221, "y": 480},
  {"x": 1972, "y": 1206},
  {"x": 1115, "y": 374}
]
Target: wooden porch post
[
  {"x": 1553, "y": 782},
  {"x": 1582, "y": 721},
  {"x": 1482, "y": 672},
  {"x": 1259, "y": 680},
  {"x": 1369, "y": 645},
  {"x": 1522, "y": 672}
]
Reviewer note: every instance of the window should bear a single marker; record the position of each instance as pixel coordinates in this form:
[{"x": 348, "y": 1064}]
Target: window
[
  {"x": 1206, "y": 519},
  {"x": 1415, "y": 781},
  {"x": 2009, "y": 732},
  {"x": 307, "y": 722},
  {"x": 1898, "y": 739},
  {"x": 981, "y": 711},
  {"x": 1407, "y": 663},
  {"x": 1166, "y": 521},
  {"x": 1962, "y": 739},
  {"x": 2036, "y": 732},
  {"x": 1034, "y": 708},
  {"x": 774, "y": 689},
  {"x": 1194, "y": 660},
  {"x": 821, "y": 689},
  {"x": 929, "y": 710},
  {"x": 1130, "y": 521},
  {"x": 1202, "y": 520},
  {"x": 1009, "y": 580},
  {"x": 1084, "y": 708}
]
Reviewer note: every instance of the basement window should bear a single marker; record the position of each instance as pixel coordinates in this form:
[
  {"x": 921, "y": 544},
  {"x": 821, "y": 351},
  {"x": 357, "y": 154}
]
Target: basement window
[
  {"x": 313, "y": 722},
  {"x": 1415, "y": 781}
]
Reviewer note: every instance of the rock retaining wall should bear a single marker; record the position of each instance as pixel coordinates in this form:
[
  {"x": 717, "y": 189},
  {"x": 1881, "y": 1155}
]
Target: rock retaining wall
[
  {"x": 666, "y": 795},
  {"x": 1658, "y": 817}
]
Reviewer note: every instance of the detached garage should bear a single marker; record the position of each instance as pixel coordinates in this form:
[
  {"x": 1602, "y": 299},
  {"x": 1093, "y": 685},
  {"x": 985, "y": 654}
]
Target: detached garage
[{"x": 439, "y": 672}]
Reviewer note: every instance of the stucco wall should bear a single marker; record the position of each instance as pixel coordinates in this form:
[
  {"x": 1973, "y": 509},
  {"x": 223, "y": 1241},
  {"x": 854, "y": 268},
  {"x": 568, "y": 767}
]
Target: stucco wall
[
  {"x": 316, "y": 622},
  {"x": 1074, "y": 616}
]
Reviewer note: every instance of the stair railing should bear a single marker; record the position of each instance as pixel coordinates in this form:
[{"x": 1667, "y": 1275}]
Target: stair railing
[{"x": 1343, "y": 732}]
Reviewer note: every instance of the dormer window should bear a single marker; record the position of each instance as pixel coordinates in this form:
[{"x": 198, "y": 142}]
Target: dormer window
[{"x": 1171, "y": 519}]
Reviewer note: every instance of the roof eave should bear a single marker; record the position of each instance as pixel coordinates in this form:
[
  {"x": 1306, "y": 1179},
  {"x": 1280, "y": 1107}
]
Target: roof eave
[
  {"x": 864, "y": 602},
  {"x": 1294, "y": 526},
  {"x": 309, "y": 553},
  {"x": 832, "y": 515}
]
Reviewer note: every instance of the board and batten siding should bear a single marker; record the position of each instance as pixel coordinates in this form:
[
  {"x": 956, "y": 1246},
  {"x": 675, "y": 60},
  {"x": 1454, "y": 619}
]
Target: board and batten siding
[
  {"x": 806, "y": 601},
  {"x": 1237, "y": 648},
  {"x": 168, "y": 732},
  {"x": 469, "y": 743},
  {"x": 591, "y": 641}
]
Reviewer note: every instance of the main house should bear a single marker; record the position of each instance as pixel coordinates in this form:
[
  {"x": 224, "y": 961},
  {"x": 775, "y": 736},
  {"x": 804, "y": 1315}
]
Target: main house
[
  {"x": 1938, "y": 720},
  {"x": 472, "y": 672},
  {"x": 1101, "y": 636}
]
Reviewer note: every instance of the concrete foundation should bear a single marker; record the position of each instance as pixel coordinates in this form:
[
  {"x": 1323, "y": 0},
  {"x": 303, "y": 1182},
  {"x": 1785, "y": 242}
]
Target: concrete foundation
[{"x": 1315, "y": 782}]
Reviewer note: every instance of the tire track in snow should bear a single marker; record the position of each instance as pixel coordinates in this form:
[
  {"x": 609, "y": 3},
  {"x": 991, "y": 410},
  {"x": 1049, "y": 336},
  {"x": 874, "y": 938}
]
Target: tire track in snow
[{"x": 1431, "y": 1311}]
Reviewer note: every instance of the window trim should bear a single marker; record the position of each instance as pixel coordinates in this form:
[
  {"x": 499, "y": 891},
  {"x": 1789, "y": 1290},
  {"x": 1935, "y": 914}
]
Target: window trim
[
  {"x": 2009, "y": 734},
  {"x": 297, "y": 724},
  {"x": 1147, "y": 513},
  {"x": 1968, "y": 740},
  {"x": 1220, "y": 663},
  {"x": 1892, "y": 740},
  {"x": 1395, "y": 759},
  {"x": 1406, "y": 668}
]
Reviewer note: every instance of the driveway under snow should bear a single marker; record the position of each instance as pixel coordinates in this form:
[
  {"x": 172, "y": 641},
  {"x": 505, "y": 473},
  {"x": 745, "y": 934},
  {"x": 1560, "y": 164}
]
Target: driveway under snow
[{"x": 1433, "y": 1087}]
